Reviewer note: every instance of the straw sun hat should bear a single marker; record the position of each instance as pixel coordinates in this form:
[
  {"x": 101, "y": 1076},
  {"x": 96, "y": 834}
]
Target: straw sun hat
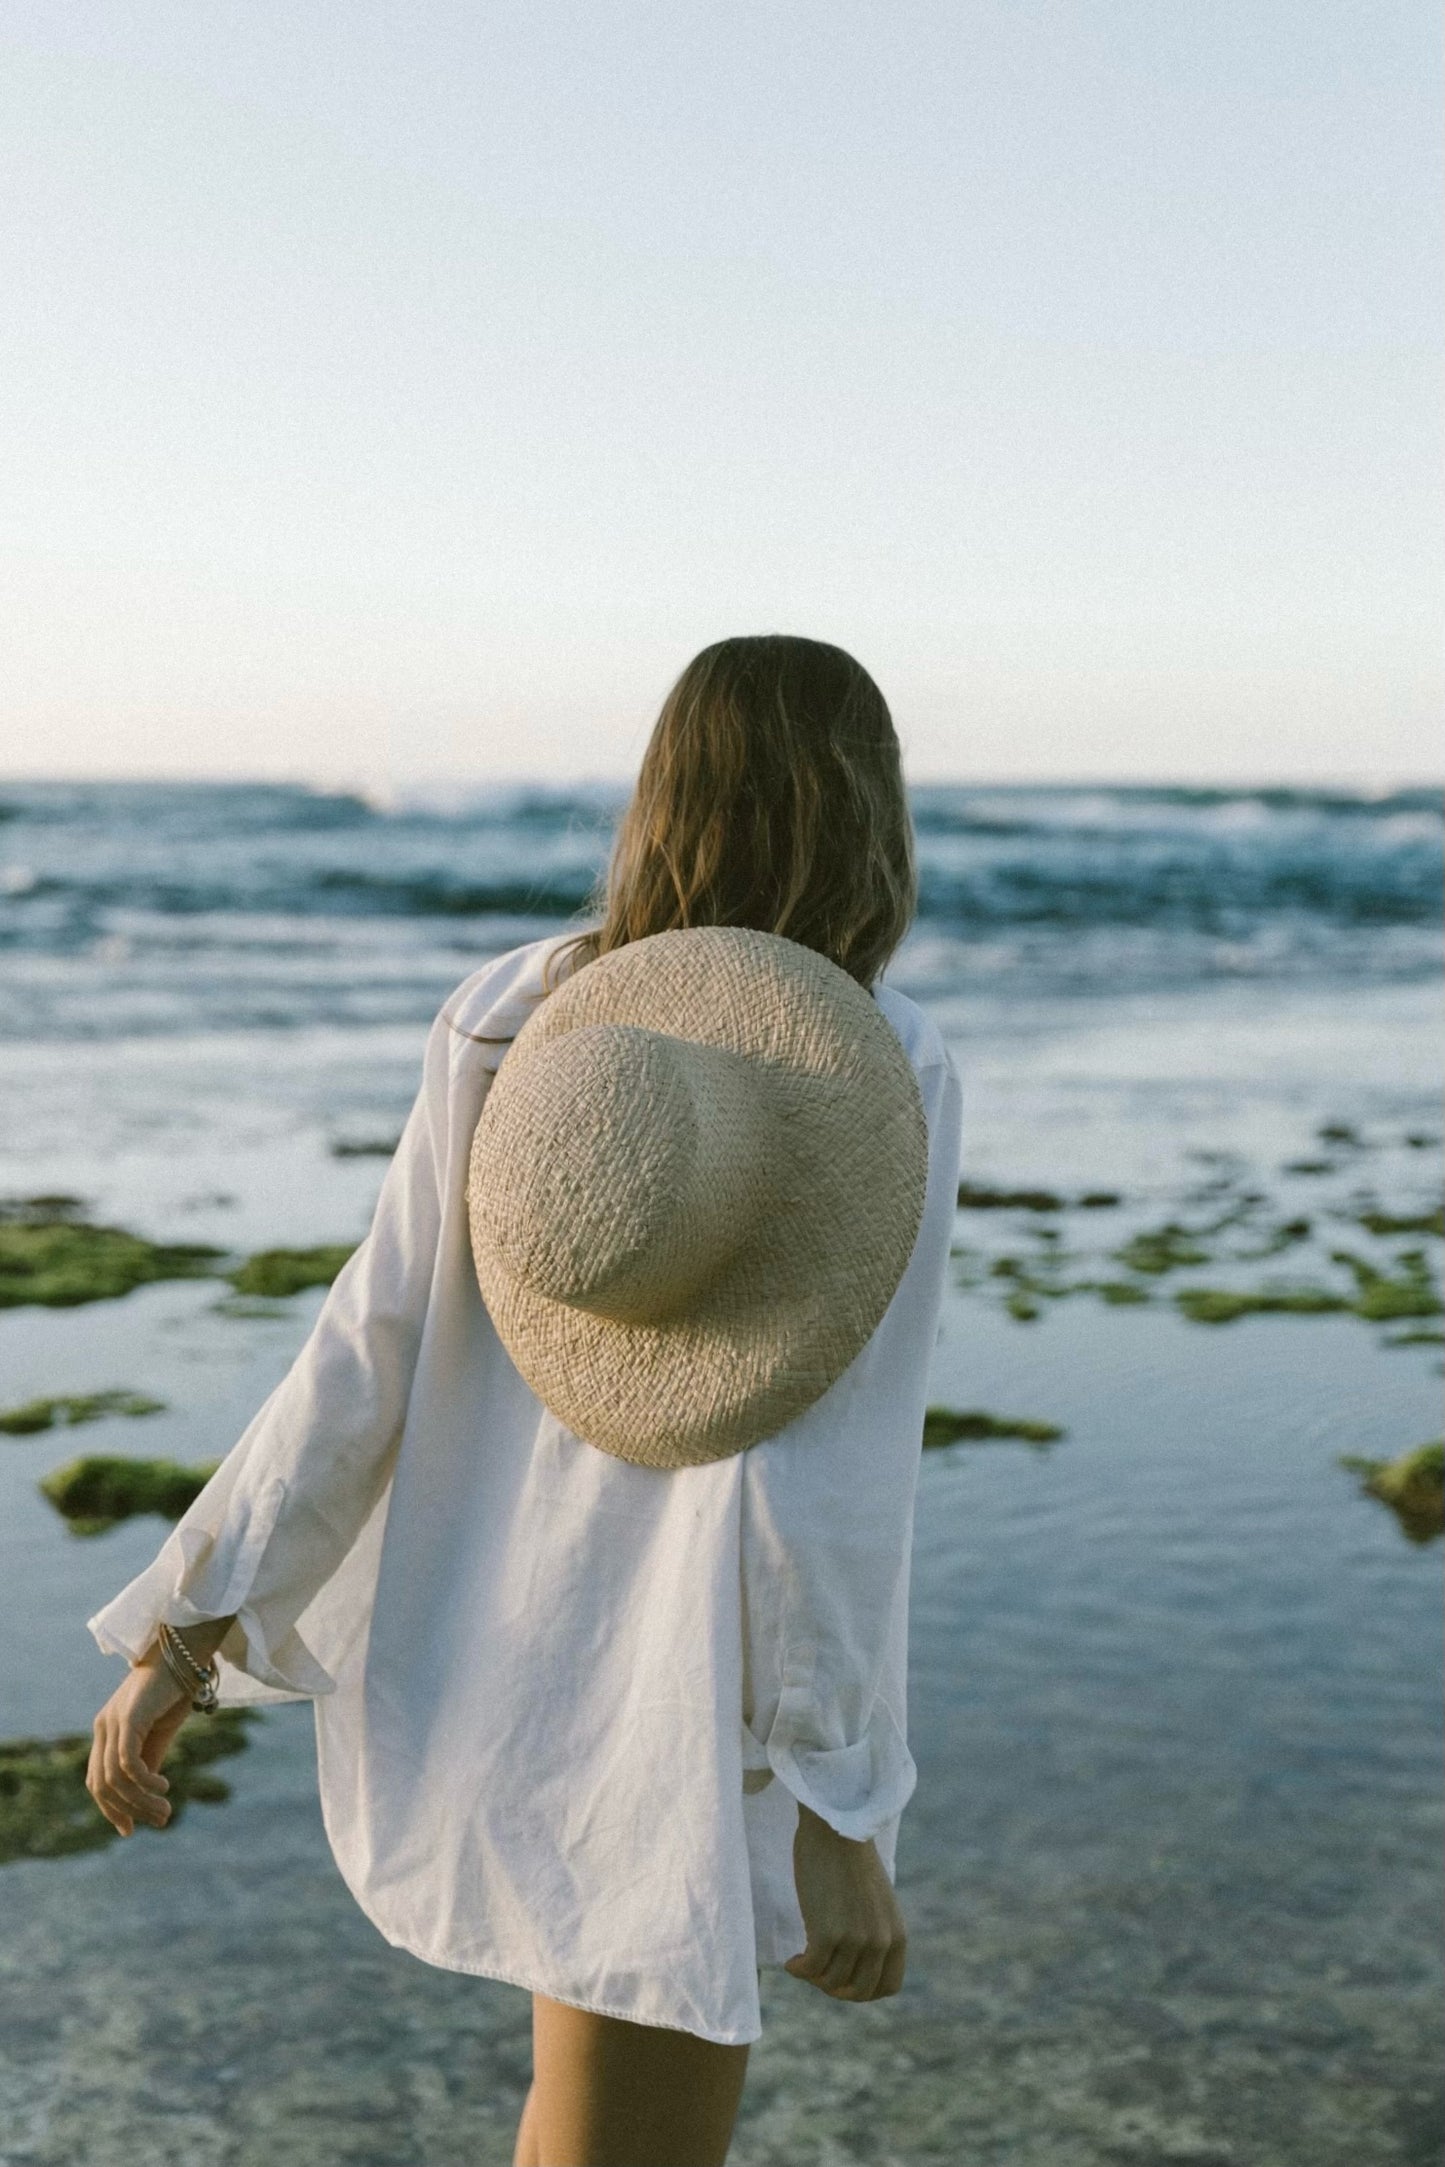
[{"x": 696, "y": 1182}]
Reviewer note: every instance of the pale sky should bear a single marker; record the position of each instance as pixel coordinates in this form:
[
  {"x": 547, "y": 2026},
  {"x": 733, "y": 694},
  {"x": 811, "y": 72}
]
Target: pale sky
[{"x": 396, "y": 392}]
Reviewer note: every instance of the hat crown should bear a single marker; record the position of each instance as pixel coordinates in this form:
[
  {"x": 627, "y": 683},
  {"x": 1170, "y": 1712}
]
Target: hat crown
[
  {"x": 624, "y": 1167},
  {"x": 686, "y": 1224}
]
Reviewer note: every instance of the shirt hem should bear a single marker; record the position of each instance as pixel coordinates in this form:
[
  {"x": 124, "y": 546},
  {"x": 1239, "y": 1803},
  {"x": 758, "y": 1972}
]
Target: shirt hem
[
  {"x": 512, "y": 1978},
  {"x": 570, "y": 2001}
]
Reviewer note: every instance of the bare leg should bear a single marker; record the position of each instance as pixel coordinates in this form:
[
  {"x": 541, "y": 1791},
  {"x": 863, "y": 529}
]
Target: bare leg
[
  {"x": 610, "y": 2093},
  {"x": 526, "y": 2153}
]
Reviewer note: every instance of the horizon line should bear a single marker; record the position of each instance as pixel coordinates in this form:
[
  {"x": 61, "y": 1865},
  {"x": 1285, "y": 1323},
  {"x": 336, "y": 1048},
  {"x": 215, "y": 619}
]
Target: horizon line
[{"x": 371, "y": 787}]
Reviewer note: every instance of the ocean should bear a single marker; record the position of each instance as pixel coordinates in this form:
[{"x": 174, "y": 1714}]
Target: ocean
[{"x": 1172, "y": 1869}]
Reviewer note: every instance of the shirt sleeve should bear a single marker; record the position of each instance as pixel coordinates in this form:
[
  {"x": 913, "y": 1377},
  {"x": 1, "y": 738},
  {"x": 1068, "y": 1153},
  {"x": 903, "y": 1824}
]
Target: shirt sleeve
[
  {"x": 287, "y": 1503},
  {"x": 827, "y": 1535}
]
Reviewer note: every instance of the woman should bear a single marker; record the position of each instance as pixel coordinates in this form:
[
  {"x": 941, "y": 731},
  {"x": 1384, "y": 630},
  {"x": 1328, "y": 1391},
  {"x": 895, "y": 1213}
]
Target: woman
[{"x": 621, "y": 1734}]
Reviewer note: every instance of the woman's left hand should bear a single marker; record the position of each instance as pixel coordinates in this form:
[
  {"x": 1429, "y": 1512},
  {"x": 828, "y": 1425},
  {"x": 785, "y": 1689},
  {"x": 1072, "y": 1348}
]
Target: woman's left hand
[{"x": 133, "y": 1734}]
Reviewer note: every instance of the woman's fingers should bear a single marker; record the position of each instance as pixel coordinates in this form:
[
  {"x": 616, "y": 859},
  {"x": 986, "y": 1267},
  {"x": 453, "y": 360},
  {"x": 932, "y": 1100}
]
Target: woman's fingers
[
  {"x": 112, "y": 1806},
  {"x": 890, "y": 1980},
  {"x": 862, "y": 1981},
  {"x": 99, "y": 1789},
  {"x": 838, "y": 1970},
  {"x": 127, "y": 1774},
  {"x": 95, "y": 1784},
  {"x": 130, "y": 1752},
  {"x": 133, "y": 1801},
  {"x": 121, "y": 1776},
  {"x": 834, "y": 1965},
  {"x": 814, "y": 1961},
  {"x": 852, "y": 1970},
  {"x": 122, "y": 1786},
  {"x": 809, "y": 1963}
]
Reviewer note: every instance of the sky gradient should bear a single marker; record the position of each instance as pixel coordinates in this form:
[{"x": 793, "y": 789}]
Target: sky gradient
[{"x": 406, "y": 392}]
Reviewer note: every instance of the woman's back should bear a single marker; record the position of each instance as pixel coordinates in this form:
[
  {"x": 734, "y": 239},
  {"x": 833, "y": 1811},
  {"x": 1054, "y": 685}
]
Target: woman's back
[{"x": 574, "y": 1702}]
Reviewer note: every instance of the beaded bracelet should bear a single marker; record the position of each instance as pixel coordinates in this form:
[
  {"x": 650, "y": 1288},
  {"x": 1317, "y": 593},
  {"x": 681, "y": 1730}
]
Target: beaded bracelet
[{"x": 199, "y": 1684}]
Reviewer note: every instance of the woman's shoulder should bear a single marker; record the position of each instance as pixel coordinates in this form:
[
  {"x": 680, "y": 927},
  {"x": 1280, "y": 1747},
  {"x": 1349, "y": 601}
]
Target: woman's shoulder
[
  {"x": 490, "y": 1006},
  {"x": 922, "y": 1040},
  {"x": 496, "y": 1000}
]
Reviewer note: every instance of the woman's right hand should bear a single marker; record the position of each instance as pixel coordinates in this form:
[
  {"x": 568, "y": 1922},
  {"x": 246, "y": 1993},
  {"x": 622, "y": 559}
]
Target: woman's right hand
[
  {"x": 132, "y": 1734},
  {"x": 856, "y": 1940}
]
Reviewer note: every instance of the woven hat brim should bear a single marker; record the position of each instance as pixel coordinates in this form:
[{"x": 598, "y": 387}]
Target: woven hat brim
[{"x": 783, "y": 1320}]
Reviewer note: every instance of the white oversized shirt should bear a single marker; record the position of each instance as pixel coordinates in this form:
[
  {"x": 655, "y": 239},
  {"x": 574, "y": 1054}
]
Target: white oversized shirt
[{"x": 565, "y": 1705}]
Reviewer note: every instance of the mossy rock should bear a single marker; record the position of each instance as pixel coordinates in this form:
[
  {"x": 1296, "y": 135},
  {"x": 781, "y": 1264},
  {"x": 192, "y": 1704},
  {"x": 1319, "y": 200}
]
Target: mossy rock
[
  {"x": 64, "y": 1413},
  {"x": 974, "y": 1196},
  {"x": 1386, "y": 1222},
  {"x": 1161, "y": 1249},
  {"x": 1121, "y": 1293},
  {"x": 1036, "y": 1275},
  {"x": 61, "y": 1262},
  {"x": 1413, "y": 1486},
  {"x": 97, "y": 1493},
  {"x": 1381, "y": 1297},
  {"x": 28, "y": 1210},
  {"x": 275, "y": 1273},
  {"x": 1221, "y": 1305},
  {"x": 46, "y": 1811},
  {"x": 951, "y": 1426}
]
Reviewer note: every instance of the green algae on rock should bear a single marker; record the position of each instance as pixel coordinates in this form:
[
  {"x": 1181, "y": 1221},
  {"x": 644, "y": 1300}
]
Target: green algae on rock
[
  {"x": 279, "y": 1272},
  {"x": 1424, "y": 1222},
  {"x": 47, "y": 1813},
  {"x": 1221, "y": 1305},
  {"x": 1413, "y": 1486},
  {"x": 951, "y": 1425},
  {"x": 1167, "y": 1248},
  {"x": 1380, "y": 1298},
  {"x": 978, "y": 1196},
  {"x": 1121, "y": 1293},
  {"x": 975, "y": 1196},
  {"x": 1030, "y": 1281},
  {"x": 96, "y": 1493},
  {"x": 59, "y": 1262},
  {"x": 68, "y": 1410}
]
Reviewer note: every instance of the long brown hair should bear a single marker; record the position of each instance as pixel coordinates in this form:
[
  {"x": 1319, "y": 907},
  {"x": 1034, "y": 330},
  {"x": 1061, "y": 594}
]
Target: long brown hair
[{"x": 770, "y": 795}]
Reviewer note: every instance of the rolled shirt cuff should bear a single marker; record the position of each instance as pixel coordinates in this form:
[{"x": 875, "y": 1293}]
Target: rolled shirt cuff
[
  {"x": 856, "y": 1787},
  {"x": 202, "y": 1573}
]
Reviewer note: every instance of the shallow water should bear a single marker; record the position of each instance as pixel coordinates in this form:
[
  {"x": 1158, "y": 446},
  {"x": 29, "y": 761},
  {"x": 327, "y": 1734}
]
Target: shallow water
[{"x": 1172, "y": 1869}]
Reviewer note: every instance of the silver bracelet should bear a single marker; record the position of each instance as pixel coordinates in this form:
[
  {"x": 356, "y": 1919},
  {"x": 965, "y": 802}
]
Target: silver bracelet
[{"x": 199, "y": 1684}]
